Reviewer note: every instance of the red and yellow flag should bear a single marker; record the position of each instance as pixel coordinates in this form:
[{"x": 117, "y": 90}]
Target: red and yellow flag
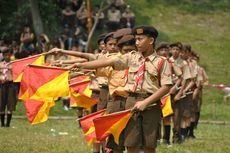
[
  {"x": 166, "y": 106},
  {"x": 37, "y": 111},
  {"x": 111, "y": 124},
  {"x": 40, "y": 87},
  {"x": 19, "y": 65},
  {"x": 42, "y": 82},
  {"x": 88, "y": 126},
  {"x": 80, "y": 93},
  {"x": 24, "y": 85}
]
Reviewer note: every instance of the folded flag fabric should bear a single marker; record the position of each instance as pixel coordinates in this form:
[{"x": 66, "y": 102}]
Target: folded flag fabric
[
  {"x": 79, "y": 78},
  {"x": 166, "y": 106},
  {"x": 80, "y": 93},
  {"x": 24, "y": 85},
  {"x": 19, "y": 65},
  {"x": 88, "y": 126},
  {"x": 39, "y": 88},
  {"x": 41, "y": 82},
  {"x": 37, "y": 111},
  {"x": 111, "y": 124}
]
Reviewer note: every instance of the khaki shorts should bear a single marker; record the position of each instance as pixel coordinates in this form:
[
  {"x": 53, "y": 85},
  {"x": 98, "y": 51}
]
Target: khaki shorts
[
  {"x": 187, "y": 106},
  {"x": 103, "y": 98},
  {"x": 142, "y": 127},
  {"x": 116, "y": 104}
]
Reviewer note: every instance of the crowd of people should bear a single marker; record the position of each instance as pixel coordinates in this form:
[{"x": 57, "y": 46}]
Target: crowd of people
[
  {"x": 130, "y": 72},
  {"x": 74, "y": 32}
]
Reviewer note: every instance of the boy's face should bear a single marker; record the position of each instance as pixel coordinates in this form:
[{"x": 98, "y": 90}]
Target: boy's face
[
  {"x": 7, "y": 56},
  {"x": 127, "y": 48},
  {"x": 111, "y": 46},
  {"x": 175, "y": 52},
  {"x": 102, "y": 45},
  {"x": 183, "y": 55},
  {"x": 143, "y": 42},
  {"x": 163, "y": 52}
]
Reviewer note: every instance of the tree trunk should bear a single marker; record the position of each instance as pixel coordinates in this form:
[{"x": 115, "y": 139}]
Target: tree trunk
[
  {"x": 37, "y": 22},
  {"x": 90, "y": 22}
]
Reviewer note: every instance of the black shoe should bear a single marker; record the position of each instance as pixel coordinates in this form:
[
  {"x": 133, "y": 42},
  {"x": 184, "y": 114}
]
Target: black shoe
[
  {"x": 167, "y": 143},
  {"x": 192, "y": 136}
]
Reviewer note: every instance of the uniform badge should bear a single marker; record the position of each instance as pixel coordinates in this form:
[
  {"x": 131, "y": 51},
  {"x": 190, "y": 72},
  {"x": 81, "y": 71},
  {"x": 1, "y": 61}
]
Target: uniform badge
[
  {"x": 139, "y": 31},
  {"x": 153, "y": 78}
]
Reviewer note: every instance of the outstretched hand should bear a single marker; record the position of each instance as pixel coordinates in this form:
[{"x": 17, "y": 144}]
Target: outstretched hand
[
  {"x": 57, "y": 63},
  {"x": 74, "y": 66},
  {"x": 55, "y": 51}
]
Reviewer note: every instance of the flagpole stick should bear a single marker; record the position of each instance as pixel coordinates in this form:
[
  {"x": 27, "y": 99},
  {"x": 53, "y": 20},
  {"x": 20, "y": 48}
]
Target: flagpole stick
[
  {"x": 18, "y": 60},
  {"x": 43, "y": 66},
  {"x": 79, "y": 82}
]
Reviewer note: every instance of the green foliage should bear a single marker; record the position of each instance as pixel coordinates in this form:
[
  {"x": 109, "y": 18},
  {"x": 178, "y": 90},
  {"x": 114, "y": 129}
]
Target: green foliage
[
  {"x": 15, "y": 19},
  {"x": 51, "y": 17}
]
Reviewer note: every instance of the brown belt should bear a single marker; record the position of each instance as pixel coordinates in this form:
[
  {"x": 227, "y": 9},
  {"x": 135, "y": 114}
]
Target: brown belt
[
  {"x": 143, "y": 95},
  {"x": 104, "y": 87},
  {"x": 120, "y": 98}
]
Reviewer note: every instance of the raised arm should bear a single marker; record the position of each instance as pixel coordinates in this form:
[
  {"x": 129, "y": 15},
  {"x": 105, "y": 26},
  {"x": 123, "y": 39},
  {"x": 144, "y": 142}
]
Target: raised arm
[
  {"x": 79, "y": 60},
  {"x": 73, "y": 53},
  {"x": 94, "y": 64}
]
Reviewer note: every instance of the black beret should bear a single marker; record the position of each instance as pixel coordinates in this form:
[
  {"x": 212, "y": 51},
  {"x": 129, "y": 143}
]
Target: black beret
[
  {"x": 126, "y": 40},
  {"x": 5, "y": 50},
  {"x": 162, "y": 45},
  {"x": 107, "y": 36},
  {"x": 176, "y": 44},
  {"x": 121, "y": 32},
  {"x": 145, "y": 30},
  {"x": 101, "y": 37},
  {"x": 187, "y": 47}
]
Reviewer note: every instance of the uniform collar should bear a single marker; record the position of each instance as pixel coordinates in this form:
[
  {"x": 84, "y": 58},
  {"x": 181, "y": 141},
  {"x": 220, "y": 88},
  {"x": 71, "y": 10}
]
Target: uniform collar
[{"x": 150, "y": 57}]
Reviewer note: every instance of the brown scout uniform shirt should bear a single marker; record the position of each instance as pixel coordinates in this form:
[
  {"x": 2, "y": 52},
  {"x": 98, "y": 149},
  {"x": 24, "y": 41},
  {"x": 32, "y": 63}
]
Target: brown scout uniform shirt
[
  {"x": 201, "y": 76},
  {"x": 97, "y": 82},
  {"x": 116, "y": 80},
  {"x": 151, "y": 84},
  {"x": 183, "y": 65},
  {"x": 193, "y": 67},
  {"x": 176, "y": 71}
]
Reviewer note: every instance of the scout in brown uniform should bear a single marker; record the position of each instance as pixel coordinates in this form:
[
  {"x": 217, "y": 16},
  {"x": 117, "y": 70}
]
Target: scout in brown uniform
[
  {"x": 175, "y": 49},
  {"x": 188, "y": 91},
  {"x": 202, "y": 79},
  {"x": 116, "y": 82},
  {"x": 163, "y": 50},
  {"x": 8, "y": 92},
  {"x": 101, "y": 82},
  {"x": 146, "y": 84},
  {"x": 196, "y": 93}
]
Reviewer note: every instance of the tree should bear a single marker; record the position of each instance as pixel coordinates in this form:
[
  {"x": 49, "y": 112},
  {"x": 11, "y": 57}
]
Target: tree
[{"x": 36, "y": 18}]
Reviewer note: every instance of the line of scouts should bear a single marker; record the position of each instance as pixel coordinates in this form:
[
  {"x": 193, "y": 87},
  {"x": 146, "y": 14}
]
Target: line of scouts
[
  {"x": 138, "y": 76},
  {"x": 131, "y": 74}
]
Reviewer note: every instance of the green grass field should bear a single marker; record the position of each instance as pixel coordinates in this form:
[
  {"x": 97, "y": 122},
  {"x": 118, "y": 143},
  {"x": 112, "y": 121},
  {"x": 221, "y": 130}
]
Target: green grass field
[{"x": 24, "y": 138}]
